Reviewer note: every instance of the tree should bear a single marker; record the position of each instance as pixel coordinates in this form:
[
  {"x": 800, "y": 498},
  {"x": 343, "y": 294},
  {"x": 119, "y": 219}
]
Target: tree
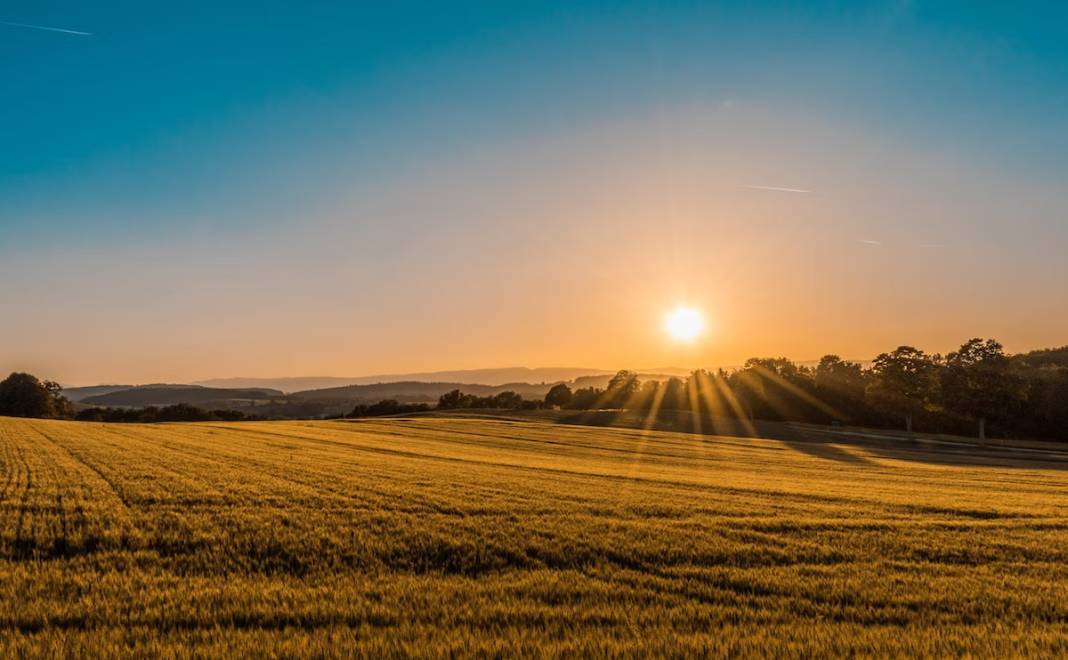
[
  {"x": 835, "y": 374},
  {"x": 841, "y": 385},
  {"x": 61, "y": 405},
  {"x": 621, "y": 388},
  {"x": 384, "y": 407},
  {"x": 451, "y": 400},
  {"x": 558, "y": 395},
  {"x": 674, "y": 395},
  {"x": 648, "y": 393},
  {"x": 1047, "y": 411},
  {"x": 977, "y": 383},
  {"x": 777, "y": 389},
  {"x": 507, "y": 400},
  {"x": 22, "y": 395},
  {"x": 902, "y": 382},
  {"x": 585, "y": 398},
  {"x": 655, "y": 395}
]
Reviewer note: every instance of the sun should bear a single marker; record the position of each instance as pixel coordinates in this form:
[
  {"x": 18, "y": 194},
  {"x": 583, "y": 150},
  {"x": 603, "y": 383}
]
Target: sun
[{"x": 684, "y": 324}]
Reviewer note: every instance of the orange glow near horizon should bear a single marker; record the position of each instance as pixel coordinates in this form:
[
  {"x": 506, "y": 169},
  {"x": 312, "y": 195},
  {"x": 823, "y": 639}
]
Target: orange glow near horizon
[{"x": 567, "y": 250}]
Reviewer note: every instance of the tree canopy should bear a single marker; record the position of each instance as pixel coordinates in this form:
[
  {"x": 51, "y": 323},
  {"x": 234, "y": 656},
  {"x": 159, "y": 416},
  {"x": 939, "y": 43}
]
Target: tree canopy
[{"x": 23, "y": 395}]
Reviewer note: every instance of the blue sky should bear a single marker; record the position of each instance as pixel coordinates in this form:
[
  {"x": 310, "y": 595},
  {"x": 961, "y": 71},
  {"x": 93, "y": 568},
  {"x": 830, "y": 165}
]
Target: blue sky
[
  {"x": 193, "y": 104},
  {"x": 209, "y": 122}
]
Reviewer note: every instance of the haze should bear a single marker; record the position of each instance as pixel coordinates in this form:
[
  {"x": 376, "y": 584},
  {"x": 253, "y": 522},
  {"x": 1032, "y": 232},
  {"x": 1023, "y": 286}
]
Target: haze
[{"x": 199, "y": 192}]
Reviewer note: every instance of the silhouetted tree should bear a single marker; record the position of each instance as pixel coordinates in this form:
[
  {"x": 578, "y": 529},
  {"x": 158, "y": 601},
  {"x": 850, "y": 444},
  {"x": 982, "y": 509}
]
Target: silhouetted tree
[
  {"x": 776, "y": 388},
  {"x": 558, "y": 395},
  {"x": 507, "y": 401},
  {"x": 647, "y": 396},
  {"x": 451, "y": 400},
  {"x": 1047, "y": 410},
  {"x": 706, "y": 392},
  {"x": 387, "y": 407},
  {"x": 976, "y": 382},
  {"x": 841, "y": 385},
  {"x": 22, "y": 395},
  {"x": 902, "y": 382},
  {"x": 180, "y": 412},
  {"x": 586, "y": 398},
  {"x": 674, "y": 395},
  {"x": 456, "y": 399},
  {"x": 621, "y": 388}
]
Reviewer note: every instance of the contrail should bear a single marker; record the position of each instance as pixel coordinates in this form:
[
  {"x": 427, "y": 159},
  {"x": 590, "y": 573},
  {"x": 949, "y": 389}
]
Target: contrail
[
  {"x": 777, "y": 189},
  {"x": 868, "y": 241},
  {"x": 46, "y": 28}
]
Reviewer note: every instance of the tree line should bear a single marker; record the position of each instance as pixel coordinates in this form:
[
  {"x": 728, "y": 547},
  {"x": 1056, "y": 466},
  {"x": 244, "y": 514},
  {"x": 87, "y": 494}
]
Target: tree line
[
  {"x": 456, "y": 400},
  {"x": 977, "y": 388},
  {"x": 387, "y": 407},
  {"x": 179, "y": 412}
]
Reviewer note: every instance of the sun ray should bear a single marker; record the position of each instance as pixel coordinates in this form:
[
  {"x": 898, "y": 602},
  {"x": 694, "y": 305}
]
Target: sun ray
[
  {"x": 796, "y": 391},
  {"x": 739, "y": 411},
  {"x": 647, "y": 424}
]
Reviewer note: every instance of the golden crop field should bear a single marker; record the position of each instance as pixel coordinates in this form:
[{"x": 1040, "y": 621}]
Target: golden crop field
[{"x": 457, "y": 536}]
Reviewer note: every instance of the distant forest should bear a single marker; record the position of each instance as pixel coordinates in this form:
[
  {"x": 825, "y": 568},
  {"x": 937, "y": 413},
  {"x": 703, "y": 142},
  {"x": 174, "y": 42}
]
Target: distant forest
[{"x": 977, "y": 389}]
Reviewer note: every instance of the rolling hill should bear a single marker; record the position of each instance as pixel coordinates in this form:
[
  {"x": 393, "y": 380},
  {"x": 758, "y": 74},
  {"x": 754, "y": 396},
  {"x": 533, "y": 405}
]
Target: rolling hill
[
  {"x": 501, "y": 376},
  {"x": 164, "y": 395},
  {"x": 414, "y": 391},
  {"x": 77, "y": 394}
]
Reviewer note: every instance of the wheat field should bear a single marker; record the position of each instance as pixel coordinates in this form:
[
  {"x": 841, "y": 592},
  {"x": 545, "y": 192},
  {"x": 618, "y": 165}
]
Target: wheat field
[{"x": 475, "y": 536}]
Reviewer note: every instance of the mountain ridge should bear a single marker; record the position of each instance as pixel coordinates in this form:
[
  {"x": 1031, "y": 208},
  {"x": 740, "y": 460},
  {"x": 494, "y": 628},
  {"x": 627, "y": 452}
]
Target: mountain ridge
[{"x": 493, "y": 376}]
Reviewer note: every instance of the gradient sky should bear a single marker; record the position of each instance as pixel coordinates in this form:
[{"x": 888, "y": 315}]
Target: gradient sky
[{"x": 276, "y": 189}]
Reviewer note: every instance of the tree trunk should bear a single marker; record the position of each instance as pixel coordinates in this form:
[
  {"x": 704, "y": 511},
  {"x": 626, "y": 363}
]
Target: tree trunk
[
  {"x": 982, "y": 430},
  {"x": 908, "y": 425}
]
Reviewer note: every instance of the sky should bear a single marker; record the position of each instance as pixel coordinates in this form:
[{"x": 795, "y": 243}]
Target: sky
[{"x": 201, "y": 190}]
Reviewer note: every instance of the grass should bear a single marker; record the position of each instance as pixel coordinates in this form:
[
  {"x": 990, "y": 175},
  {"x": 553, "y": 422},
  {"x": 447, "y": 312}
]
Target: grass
[{"x": 487, "y": 536}]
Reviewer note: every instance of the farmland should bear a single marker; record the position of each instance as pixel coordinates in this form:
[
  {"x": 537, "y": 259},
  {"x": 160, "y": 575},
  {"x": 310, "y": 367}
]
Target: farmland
[{"x": 466, "y": 535}]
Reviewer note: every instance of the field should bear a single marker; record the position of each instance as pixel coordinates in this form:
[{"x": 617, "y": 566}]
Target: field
[{"x": 452, "y": 535}]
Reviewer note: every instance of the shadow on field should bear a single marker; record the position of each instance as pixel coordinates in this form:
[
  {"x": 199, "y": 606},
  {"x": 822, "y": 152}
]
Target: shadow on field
[{"x": 833, "y": 443}]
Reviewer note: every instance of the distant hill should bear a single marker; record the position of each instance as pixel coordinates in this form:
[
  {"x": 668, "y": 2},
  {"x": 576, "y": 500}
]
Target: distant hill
[
  {"x": 165, "y": 395},
  {"x": 493, "y": 377},
  {"x": 415, "y": 392},
  {"x": 417, "y": 387},
  {"x": 76, "y": 394},
  {"x": 287, "y": 385},
  {"x": 428, "y": 392}
]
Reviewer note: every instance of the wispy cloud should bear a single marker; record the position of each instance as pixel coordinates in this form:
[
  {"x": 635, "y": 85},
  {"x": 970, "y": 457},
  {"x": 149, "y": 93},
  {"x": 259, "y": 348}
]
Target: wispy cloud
[
  {"x": 777, "y": 189},
  {"x": 868, "y": 241},
  {"x": 47, "y": 28}
]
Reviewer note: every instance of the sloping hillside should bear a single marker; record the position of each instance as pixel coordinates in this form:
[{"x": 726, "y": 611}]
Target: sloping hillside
[
  {"x": 164, "y": 395},
  {"x": 77, "y": 394},
  {"x": 416, "y": 391},
  {"x": 494, "y": 377}
]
